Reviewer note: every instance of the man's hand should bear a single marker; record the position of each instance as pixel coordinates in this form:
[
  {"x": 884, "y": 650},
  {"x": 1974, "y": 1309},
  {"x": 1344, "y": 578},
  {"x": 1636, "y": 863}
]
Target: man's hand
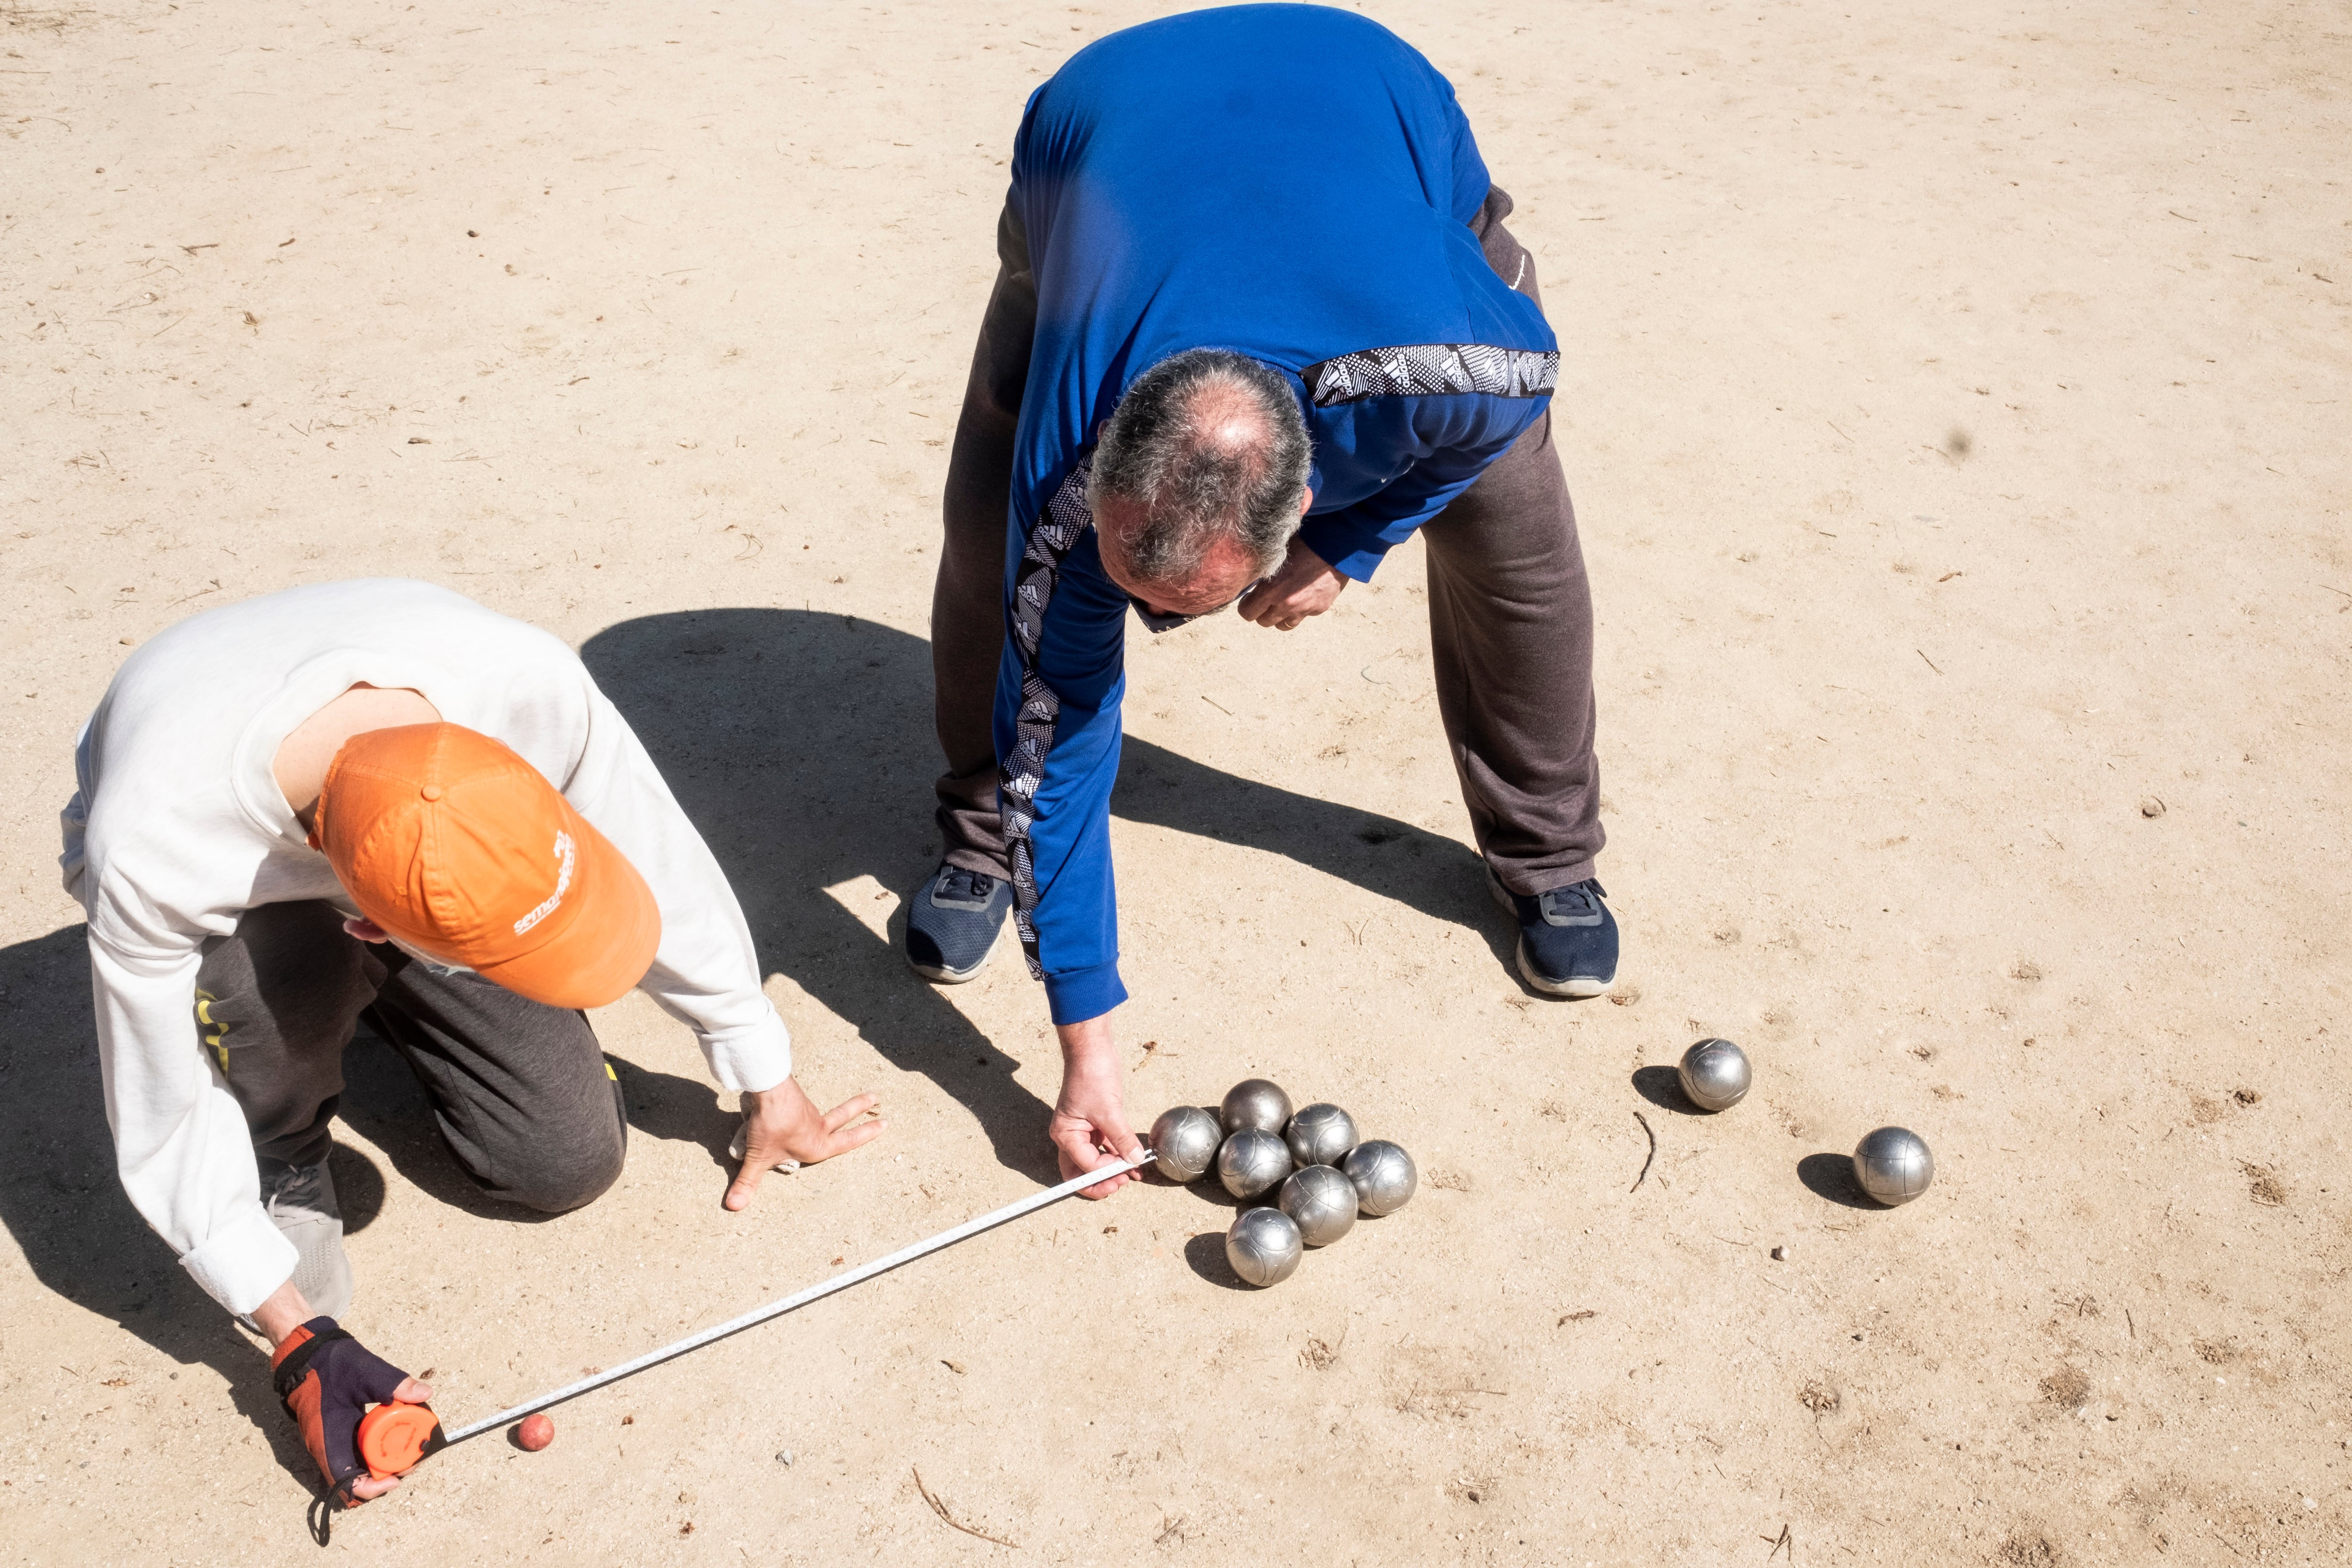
[
  {"x": 279, "y": 1318},
  {"x": 783, "y": 1123},
  {"x": 326, "y": 1379},
  {"x": 1303, "y": 585},
  {"x": 1090, "y": 1125}
]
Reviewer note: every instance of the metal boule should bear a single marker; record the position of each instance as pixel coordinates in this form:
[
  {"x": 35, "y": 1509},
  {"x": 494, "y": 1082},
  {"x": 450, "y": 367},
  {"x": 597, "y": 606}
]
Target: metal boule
[
  {"x": 1892, "y": 1164},
  {"x": 1321, "y": 1202},
  {"x": 1263, "y": 1246},
  {"x": 1384, "y": 1175},
  {"x": 1714, "y": 1075},
  {"x": 1255, "y": 1102},
  {"x": 1184, "y": 1143},
  {"x": 1252, "y": 1164},
  {"x": 1320, "y": 1135}
]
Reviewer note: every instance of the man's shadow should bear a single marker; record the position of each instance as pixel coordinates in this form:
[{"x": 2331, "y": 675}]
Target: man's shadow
[
  {"x": 64, "y": 1208},
  {"x": 800, "y": 742}
]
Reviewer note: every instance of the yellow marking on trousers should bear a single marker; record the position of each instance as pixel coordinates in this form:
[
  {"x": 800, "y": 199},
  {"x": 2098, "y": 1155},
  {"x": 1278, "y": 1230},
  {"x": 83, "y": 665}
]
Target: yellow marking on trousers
[{"x": 204, "y": 1019}]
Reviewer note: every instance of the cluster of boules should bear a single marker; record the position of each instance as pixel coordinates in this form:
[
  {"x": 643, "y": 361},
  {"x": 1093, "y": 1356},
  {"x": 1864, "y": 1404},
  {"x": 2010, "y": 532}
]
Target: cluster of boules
[{"x": 1322, "y": 1175}]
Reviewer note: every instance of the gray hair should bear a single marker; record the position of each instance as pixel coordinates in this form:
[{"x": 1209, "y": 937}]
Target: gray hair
[{"x": 1212, "y": 445}]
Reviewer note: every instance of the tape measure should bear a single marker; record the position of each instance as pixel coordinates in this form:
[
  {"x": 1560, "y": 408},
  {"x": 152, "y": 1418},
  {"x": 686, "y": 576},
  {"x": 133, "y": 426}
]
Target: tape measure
[{"x": 393, "y": 1438}]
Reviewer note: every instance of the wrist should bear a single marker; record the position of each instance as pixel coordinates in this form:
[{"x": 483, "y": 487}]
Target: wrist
[
  {"x": 1087, "y": 1043},
  {"x": 281, "y": 1313}
]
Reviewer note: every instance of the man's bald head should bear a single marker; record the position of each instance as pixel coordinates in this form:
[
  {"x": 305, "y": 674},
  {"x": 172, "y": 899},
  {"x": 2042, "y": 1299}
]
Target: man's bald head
[{"x": 1200, "y": 473}]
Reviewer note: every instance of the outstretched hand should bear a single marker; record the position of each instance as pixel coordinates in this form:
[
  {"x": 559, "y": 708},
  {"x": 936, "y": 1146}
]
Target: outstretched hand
[
  {"x": 783, "y": 1123},
  {"x": 1304, "y": 584}
]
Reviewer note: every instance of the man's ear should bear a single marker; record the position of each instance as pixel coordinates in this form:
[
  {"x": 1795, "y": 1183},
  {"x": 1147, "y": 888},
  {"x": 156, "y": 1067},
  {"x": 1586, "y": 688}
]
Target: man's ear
[{"x": 1306, "y": 500}]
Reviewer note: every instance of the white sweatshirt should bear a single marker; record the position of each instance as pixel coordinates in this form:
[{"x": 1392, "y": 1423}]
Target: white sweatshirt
[{"x": 179, "y": 826}]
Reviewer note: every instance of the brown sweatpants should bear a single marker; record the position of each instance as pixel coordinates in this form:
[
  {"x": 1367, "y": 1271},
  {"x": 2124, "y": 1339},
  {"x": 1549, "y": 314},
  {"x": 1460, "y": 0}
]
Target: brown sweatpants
[{"x": 1510, "y": 614}]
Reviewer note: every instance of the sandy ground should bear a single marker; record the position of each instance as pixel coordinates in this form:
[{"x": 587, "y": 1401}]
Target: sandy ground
[{"x": 1956, "y": 404}]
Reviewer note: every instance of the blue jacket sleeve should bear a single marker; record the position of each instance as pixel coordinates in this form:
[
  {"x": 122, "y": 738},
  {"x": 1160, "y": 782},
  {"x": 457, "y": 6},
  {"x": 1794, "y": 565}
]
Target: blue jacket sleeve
[
  {"x": 1439, "y": 445},
  {"x": 1059, "y": 838}
]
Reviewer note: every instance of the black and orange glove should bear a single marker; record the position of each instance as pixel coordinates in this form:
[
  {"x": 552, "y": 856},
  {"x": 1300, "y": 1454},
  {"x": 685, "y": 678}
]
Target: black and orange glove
[{"x": 327, "y": 1379}]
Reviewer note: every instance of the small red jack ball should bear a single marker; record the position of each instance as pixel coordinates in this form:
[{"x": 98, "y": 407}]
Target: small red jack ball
[{"x": 536, "y": 1432}]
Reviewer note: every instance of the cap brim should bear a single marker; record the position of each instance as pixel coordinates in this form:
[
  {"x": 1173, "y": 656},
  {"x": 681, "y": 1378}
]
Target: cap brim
[{"x": 605, "y": 946}]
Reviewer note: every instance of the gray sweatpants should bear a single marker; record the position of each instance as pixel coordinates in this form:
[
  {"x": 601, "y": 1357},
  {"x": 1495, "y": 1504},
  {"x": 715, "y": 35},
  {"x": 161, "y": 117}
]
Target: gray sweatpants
[
  {"x": 1510, "y": 614},
  {"x": 520, "y": 1092}
]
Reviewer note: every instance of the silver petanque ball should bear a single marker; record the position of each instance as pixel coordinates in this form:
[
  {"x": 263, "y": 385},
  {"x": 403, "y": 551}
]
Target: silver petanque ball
[
  {"x": 1184, "y": 1143},
  {"x": 1383, "y": 1176},
  {"x": 1322, "y": 1202},
  {"x": 1255, "y": 1103},
  {"x": 1715, "y": 1075},
  {"x": 1263, "y": 1246},
  {"x": 1892, "y": 1164},
  {"x": 1253, "y": 1163},
  {"x": 1320, "y": 1135}
]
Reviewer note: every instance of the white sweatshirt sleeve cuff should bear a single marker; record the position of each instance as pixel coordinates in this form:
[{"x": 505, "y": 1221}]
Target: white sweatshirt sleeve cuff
[
  {"x": 749, "y": 1060},
  {"x": 241, "y": 1263}
]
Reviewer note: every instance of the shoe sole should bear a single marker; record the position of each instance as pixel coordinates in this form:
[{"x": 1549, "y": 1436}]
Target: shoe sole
[
  {"x": 958, "y": 977},
  {"x": 1578, "y": 987}
]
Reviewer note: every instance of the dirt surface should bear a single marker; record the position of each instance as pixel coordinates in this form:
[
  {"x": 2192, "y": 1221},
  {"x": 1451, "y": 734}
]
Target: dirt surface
[{"x": 1955, "y": 403}]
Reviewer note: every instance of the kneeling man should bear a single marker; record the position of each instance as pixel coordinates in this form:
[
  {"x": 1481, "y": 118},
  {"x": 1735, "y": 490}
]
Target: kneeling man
[{"x": 378, "y": 800}]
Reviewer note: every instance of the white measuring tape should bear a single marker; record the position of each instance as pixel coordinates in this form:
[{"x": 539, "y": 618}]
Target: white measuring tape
[{"x": 864, "y": 1271}]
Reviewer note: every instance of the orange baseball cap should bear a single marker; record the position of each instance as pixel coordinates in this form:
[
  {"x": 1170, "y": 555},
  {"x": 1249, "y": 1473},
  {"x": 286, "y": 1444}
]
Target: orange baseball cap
[{"x": 457, "y": 846}]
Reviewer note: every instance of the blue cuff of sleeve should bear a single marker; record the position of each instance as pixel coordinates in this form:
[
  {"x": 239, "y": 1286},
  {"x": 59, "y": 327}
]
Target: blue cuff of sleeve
[
  {"x": 1353, "y": 552},
  {"x": 1084, "y": 994}
]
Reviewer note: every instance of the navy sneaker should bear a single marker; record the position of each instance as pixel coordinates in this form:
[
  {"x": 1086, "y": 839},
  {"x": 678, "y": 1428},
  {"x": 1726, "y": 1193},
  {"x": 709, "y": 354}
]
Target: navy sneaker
[
  {"x": 953, "y": 921},
  {"x": 1568, "y": 938}
]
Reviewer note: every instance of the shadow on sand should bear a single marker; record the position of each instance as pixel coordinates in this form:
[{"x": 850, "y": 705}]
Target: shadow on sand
[
  {"x": 1830, "y": 1176},
  {"x": 801, "y": 744},
  {"x": 65, "y": 1209}
]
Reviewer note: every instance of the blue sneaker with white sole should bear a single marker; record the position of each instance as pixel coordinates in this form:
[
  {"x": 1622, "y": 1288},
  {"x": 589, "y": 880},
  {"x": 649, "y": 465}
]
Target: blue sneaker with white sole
[
  {"x": 1568, "y": 938},
  {"x": 953, "y": 921}
]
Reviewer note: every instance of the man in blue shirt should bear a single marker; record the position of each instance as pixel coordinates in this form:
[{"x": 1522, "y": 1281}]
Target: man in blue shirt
[{"x": 1258, "y": 321}]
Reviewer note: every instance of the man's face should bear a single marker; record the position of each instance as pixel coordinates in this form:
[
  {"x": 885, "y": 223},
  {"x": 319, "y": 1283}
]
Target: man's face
[{"x": 1221, "y": 577}]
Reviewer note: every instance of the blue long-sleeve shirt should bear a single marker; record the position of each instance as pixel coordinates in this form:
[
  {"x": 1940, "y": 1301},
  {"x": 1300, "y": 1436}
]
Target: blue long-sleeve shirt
[{"x": 1291, "y": 183}]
